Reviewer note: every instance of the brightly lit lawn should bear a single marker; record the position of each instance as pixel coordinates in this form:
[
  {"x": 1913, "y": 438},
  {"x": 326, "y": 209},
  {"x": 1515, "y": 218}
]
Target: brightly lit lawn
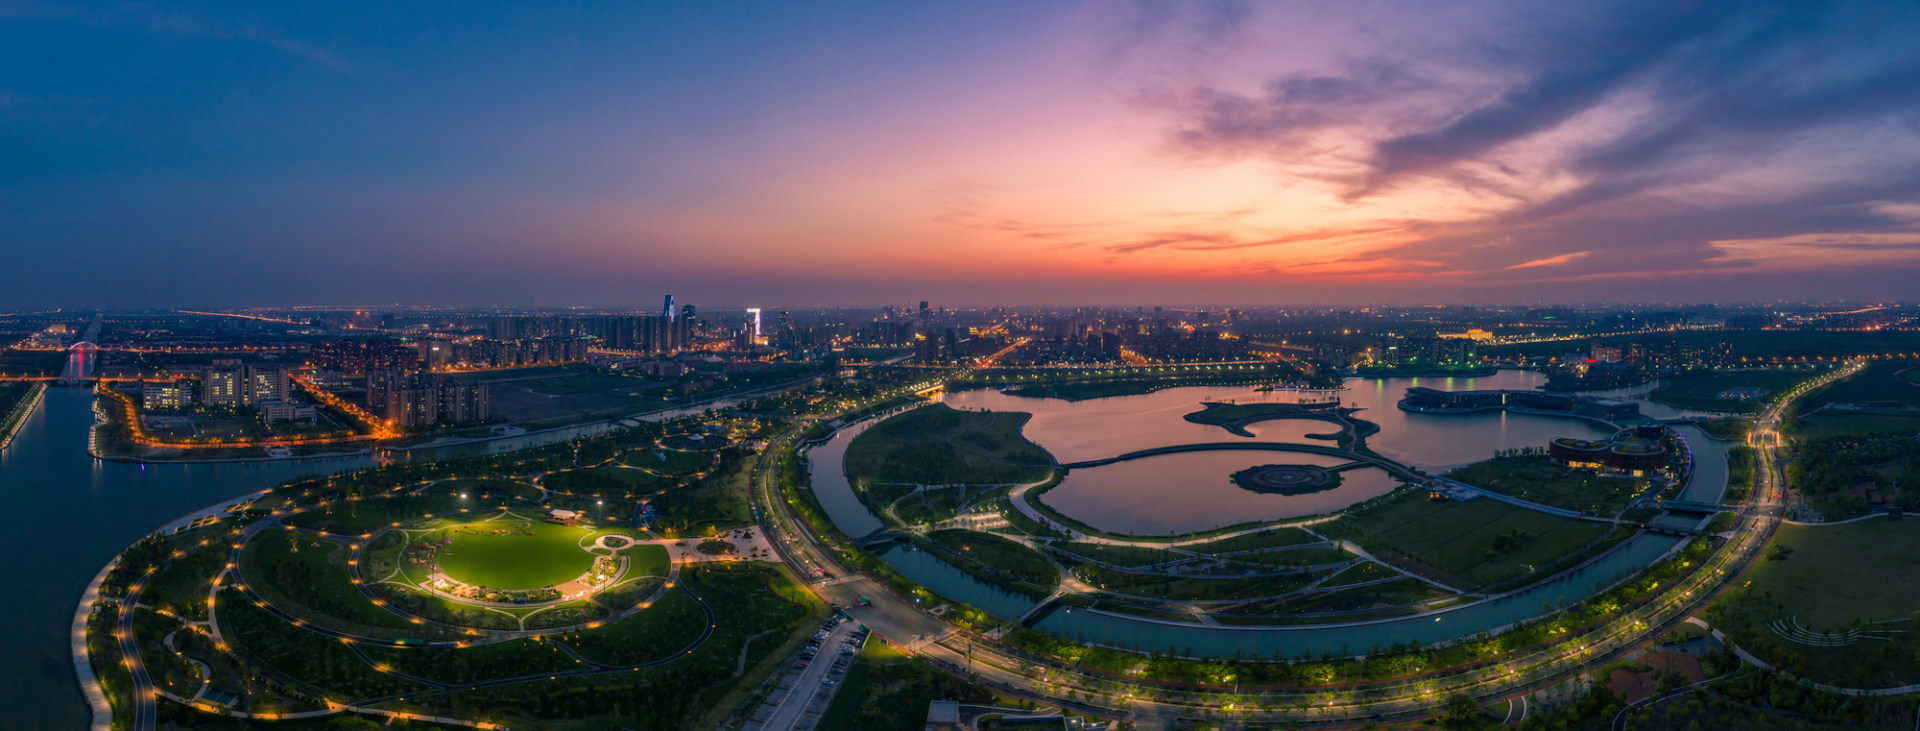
[
  {"x": 514, "y": 553},
  {"x": 1466, "y": 544},
  {"x": 646, "y": 561},
  {"x": 1833, "y": 578}
]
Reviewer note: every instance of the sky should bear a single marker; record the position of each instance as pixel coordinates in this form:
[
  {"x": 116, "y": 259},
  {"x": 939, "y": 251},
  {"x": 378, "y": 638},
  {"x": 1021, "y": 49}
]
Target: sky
[{"x": 970, "y": 153}]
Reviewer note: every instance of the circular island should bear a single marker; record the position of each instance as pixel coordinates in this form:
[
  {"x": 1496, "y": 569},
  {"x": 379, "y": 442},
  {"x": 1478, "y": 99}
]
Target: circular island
[{"x": 1287, "y": 479}]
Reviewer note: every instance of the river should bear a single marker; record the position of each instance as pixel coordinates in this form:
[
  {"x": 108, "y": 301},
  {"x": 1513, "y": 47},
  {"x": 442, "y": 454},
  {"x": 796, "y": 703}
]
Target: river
[
  {"x": 1134, "y": 494},
  {"x": 69, "y": 515},
  {"x": 1083, "y": 430}
]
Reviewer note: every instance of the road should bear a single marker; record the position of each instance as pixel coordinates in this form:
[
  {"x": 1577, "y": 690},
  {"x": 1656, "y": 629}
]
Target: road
[
  {"x": 805, "y": 684},
  {"x": 905, "y": 623}
]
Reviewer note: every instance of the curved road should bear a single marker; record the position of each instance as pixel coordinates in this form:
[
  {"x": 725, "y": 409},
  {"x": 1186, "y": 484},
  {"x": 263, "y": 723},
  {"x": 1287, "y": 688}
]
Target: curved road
[{"x": 907, "y": 624}]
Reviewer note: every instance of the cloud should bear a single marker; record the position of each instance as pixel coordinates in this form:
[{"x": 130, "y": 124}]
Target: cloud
[
  {"x": 1820, "y": 251},
  {"x": 174, "y": 22},
  {"x": 1551, "y": 261}
]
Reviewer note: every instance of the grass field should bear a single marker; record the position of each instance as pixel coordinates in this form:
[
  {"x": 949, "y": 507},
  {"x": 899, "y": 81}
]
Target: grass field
[
  {"x": 937, "y": 445},
  {"x": 1887, "y": 387},
  {"x": 1469, "y": 544},
  {"x": 1836, "y": 574},
  {"x": 487, "y": 489},
  {"x": 605, "y": 481},
  {"x": 666, "y": 461},
  {"x": 1539, "y": 480},
  {"x": 500, "y": 554},
  {"x": 997, "y": 555},
  {"x": 312, "y": 583},
  {"x": 1264, "y": 539},
  {"x": 353, "y": 517},
  {"x": 1830, "y": 578},
  {"x": 1888, "y": 381},
  {"x": 888, "y": 690},
  {"x": 1702, "y": 390}
]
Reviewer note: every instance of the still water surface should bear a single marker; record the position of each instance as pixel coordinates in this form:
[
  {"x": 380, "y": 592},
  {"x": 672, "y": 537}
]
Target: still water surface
[
  {"x": 1099, "y": 428},
  {"x": 67, "y": 515},
  {"x": 1194, "y": 491},
  {"x": 1083, "y": 430}
]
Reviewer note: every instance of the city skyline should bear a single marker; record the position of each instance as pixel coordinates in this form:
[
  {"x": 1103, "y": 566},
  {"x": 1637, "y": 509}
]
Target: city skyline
[{"x": 988, "y": 153}]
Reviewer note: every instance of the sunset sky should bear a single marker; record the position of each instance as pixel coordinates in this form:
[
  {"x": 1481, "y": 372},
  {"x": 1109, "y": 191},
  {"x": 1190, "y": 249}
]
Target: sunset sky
[{"x": 794, "y": 153}]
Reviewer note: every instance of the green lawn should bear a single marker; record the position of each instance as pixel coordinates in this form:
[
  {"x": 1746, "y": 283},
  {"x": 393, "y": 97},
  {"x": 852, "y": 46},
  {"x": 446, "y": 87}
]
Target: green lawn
[
  {"x": 1836, "y": 574},
  {"x": 666, "y": 461},
  {"x": 937, "y": 445},
  {"x": 887, "y": 690},
  {"x": 1826, "y": 424},
  {"x": 1702, "y": 390},
  {"x": 480, "y": 489},
  {"x": 1888, "y": 386},
  {"x": 1539, "y": 480},
  {"x": 312, "y": 583},
  {"x": 499, "y": 554},
  {"x": 605, "y": 481},
  {"x": 1264, "y": 539},
  {"x": 1889, "y": 382},
  {"x": 357, "y": 517},
  {"x": 646, "y": 560},
  {"x": 997, "y": 555},
  {"x": 1469, "y": 544},
  {"x": 1830, "y": 578},
  {"x": 1236, "y": 417}
]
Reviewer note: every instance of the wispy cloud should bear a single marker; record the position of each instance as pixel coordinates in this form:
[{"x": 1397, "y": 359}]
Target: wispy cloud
[
  {"x": 171, "y": 21},
  {"x": 1551, "y": 261}
]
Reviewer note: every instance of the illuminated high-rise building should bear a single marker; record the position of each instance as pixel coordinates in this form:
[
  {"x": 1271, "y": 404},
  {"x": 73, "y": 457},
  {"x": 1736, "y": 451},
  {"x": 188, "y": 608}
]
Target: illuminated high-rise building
[
  {"x": 668, "y": 311},
  {"x": 753, "y": 322}
]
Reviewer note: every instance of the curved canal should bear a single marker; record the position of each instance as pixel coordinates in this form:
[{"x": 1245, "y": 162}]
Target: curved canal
[{"x": 1141, "y": 494}]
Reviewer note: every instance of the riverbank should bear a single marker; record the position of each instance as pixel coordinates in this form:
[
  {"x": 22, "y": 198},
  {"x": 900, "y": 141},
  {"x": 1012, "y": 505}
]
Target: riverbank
[
  {"x": 1426, "y": 372},
  {"x": 22, "y": 408}
]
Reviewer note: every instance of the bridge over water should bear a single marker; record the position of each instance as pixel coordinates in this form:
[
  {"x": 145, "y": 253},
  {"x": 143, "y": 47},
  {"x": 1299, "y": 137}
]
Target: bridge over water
[{"x": 1398, "y": 470}]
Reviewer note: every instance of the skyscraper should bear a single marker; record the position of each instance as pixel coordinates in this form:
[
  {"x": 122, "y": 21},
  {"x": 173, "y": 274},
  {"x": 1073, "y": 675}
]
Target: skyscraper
[
  {"x": 668, "y": 311},
  {"x": 753, "y": 322}
]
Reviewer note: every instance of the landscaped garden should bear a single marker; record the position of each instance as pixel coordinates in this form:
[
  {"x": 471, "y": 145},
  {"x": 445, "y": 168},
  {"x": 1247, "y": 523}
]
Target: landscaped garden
[{"x": 397, "y": 589}]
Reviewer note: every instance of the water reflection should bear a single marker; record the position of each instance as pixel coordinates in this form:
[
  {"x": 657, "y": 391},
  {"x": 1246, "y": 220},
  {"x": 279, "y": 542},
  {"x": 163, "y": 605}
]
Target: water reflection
[{"x": 1193, "y": 491}]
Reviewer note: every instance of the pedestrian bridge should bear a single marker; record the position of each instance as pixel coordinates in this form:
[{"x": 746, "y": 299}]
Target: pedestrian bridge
[{"x": 1684, "y": 506}]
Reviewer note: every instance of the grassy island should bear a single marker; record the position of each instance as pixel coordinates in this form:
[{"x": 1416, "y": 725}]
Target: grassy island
[
  {"x": 1236, "y": 417},
  {"x": 939, "y": 445}
]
